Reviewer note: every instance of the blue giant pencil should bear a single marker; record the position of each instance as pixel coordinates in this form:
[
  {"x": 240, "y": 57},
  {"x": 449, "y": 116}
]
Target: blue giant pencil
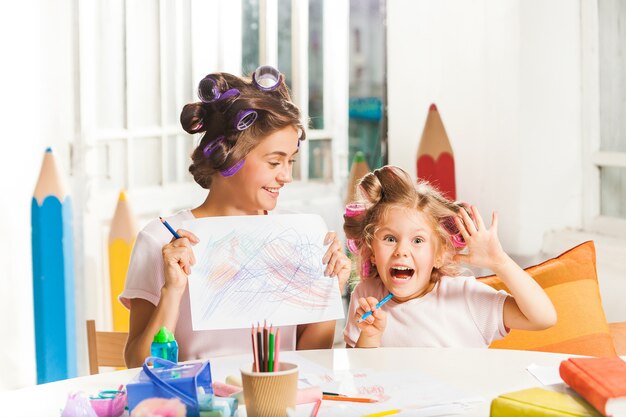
[{"x": 53, "y": 275}]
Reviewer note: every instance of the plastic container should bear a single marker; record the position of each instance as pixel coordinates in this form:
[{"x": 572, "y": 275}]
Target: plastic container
[
  {"x": 171, "y": 380},
  {"x": 164, "y": 346}
]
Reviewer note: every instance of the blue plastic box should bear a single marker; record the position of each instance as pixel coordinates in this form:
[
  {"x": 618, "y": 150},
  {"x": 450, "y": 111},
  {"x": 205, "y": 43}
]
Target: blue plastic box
[{"x": 171, "y": 381}]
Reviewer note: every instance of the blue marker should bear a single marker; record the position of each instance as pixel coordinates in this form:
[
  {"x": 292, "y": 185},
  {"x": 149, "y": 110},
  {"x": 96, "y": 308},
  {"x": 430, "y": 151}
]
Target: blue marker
[
  {"x": 378, "y": 305},
  {"x": 176, "y": 235}
]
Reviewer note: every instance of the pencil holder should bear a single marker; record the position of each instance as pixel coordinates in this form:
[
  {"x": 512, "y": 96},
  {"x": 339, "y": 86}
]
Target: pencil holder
[{"x": 269, "y": 394}]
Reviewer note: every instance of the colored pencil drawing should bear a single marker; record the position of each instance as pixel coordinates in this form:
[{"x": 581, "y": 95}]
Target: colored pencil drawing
[{"x": 261, "y": 267}]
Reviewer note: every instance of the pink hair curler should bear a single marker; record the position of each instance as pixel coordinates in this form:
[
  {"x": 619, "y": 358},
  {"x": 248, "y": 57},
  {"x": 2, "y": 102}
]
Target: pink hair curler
[{"x": 354, "y": 209}]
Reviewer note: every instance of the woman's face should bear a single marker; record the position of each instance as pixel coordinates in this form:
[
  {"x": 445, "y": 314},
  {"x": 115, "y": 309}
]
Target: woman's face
[{"x": 267, "y": 168}]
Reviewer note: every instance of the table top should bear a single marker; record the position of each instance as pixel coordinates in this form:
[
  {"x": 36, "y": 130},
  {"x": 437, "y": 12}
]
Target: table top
[{"x": 484, "y": 373}]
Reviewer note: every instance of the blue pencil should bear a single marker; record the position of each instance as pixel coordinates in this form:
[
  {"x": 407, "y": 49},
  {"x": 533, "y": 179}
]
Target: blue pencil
[
  {"x": 378, "y": 305},
  {"x": 53, "y": 275},
  {"x": 176, "y": 235}
]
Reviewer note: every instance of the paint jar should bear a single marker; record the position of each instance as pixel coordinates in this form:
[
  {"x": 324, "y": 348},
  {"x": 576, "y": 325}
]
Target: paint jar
[{"x": 164, "y": 346}]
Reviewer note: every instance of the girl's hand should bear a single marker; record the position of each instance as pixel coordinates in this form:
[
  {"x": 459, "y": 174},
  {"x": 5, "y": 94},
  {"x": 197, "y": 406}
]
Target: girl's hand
[
  {"x": 372, "y": 327},
  {"x": 336, "y": 261},
  {"x": 483, "y": 244},
  {"x": 178, "y": 258}
]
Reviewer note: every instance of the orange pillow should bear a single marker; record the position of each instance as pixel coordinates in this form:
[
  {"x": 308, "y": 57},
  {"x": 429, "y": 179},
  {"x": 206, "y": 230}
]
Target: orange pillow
[{"x": 571, "y": 282}]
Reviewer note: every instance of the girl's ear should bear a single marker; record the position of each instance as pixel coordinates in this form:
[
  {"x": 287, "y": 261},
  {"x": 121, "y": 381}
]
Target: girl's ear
[{"x": 373, "y": 260}]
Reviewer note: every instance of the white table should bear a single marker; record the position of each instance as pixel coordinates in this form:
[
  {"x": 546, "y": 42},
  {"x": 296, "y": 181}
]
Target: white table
[{"x": 482, "y": 373}]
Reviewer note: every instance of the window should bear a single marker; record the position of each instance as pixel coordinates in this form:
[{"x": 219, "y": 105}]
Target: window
[
  {"x": 604, "y": 112},
  {"x": 367, "y": 124},
  {"x": 293, "y": 35}
]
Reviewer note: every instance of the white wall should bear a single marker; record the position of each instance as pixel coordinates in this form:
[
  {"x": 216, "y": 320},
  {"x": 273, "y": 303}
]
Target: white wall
[
  {"x": 35, "y": 112},
  {"x": 506, "y": 80}
]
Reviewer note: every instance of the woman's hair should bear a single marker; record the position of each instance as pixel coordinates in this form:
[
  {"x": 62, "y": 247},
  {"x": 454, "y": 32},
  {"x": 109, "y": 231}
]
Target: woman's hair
[
  {"x": 275, "y": 111},
  {"x": 388, "y": 187}
]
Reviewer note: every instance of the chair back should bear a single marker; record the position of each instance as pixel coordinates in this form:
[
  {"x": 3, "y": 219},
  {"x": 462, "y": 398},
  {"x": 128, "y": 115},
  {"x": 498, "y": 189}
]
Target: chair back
[{"x": 105, "y": 348}]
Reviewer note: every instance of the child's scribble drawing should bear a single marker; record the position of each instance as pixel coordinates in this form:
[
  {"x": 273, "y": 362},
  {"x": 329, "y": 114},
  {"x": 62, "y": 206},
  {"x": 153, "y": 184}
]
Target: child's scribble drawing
[{"x": 252, "y": 268}]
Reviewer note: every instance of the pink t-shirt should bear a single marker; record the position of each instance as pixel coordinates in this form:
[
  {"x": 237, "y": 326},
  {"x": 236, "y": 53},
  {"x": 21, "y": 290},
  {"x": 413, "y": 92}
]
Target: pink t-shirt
[
  {"x": 145, "y": 278},
  {"x": 458, "y": 312}
]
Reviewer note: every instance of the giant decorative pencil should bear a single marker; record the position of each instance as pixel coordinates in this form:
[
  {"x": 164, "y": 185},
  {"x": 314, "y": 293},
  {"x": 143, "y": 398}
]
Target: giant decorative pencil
[
  {"x": 121, "y": 239},
  {"x": 357, "y": 171},
  {"x": 435, "y": 160},
  {"x": 53, "y": 275}
]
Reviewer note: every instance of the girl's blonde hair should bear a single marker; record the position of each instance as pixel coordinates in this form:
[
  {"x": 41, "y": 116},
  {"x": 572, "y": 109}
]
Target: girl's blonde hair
[{"x": 388, "y": 187}]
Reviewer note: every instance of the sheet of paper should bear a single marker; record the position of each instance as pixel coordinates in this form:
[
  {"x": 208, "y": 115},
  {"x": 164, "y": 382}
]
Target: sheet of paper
[
  {"x": 413, "y": 392},
  {"x": 547, "y": 375},
  {"x": 255, "y": 268}
]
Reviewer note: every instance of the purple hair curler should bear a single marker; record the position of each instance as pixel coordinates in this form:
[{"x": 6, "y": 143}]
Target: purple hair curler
[
  {"x": 210, "y": 147},
  {"x": 209, "y": 92},
  {"x": 245, "y": 118},
  {"x": 232, "y": 170},
  {"x": 266, "y": 78}
]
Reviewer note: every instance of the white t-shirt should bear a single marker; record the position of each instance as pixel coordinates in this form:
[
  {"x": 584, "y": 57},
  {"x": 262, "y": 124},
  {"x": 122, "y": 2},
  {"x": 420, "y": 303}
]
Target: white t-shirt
[
  {"x": 145, "y": 278},
  {"x": 458, "y": 312}
]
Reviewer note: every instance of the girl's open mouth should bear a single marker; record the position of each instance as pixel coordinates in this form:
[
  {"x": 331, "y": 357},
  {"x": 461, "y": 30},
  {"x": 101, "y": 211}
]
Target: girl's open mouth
[{"x": 401, "y": 272}]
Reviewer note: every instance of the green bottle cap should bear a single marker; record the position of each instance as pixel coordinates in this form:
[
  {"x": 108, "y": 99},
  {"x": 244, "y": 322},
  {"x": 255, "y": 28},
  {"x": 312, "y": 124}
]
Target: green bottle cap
[
  {"x": 163, "y": 336},
  {"x": 359, "y": 157}
]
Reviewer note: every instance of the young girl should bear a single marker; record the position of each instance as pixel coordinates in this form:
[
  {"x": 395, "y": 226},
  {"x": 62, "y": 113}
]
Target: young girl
[
  {"x": 252, "y": 132},
  {"x": 408, "y": 241}
]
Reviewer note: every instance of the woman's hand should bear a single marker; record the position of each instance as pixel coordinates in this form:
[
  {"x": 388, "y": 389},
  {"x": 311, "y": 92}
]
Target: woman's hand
[
  {"x": 373, "y": 326},
  {"x": 485, "y": 250},
  {"x": 178, "y": 258},
  {"x": 336, "y": 261}
]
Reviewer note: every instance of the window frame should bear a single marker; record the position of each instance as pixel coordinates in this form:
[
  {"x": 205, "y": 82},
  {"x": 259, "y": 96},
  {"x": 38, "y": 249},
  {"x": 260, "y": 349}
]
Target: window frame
[{"x": 593, "y": 158}]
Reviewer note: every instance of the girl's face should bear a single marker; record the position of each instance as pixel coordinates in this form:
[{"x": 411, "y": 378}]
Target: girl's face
[
  {"x": 267, "y": 168},
  {"x": 405, "y": 251}
]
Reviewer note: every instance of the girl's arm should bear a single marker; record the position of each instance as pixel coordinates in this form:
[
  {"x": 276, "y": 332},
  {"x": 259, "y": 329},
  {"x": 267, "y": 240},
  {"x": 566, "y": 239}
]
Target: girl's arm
[
  {"x": 145, "y": 318},
  {"x": 529, "y": 308}
]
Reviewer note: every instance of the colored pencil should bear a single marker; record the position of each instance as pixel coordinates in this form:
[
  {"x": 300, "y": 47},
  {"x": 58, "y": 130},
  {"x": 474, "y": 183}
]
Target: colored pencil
[
  {"x": 378, "y": 305},
  {"x": 277, "y": 350},
  {"x": 172, "y": 231},
  {"x": 53, "y": 275},
  {"x": 265, "y": 347},
  {"x": 435, "y": 159},
  {"x": 357, "y": 171},
  {"x": 270, "y": 356},
  {"x": 255, "y": 352},
  {"x": 316, "y": 408},
  {"x": 383, "y": 413},
  {"x": 259, "y": 341},
  {"x": 350, "y": 399},
  {"x": 121, "y": 239}
]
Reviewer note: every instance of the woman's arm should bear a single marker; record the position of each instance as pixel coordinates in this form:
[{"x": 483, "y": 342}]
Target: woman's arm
[
  {"x": 315, "y": 335},
  {"x": 322, "y": 335},
  {"x": 145, "y": 318},
  {"x": 145, "y": 322}
]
